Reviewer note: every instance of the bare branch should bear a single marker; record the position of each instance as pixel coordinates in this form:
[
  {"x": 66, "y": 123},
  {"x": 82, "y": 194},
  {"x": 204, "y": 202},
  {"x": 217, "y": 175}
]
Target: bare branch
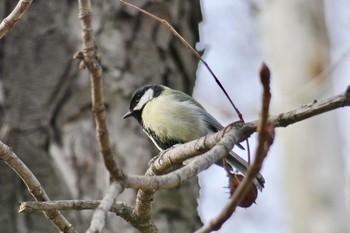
[
  {"x": 118, "y": 208},
  {"x": 176, "y": 178},
  {"x": 91, "y": 61},
  {"x": 265, "y": 139},
  {"x": 155, "y": 180},
  {"x": 100, "y": 215},
  {"x": 150, "y": 183},
  {"x": 188, "y": 46},
  {"x": 34, "y": 187},
  {"x": 10, "y": 21},
  {"x": 240, "y": 132},
  {"x": 312, "y": 109}
]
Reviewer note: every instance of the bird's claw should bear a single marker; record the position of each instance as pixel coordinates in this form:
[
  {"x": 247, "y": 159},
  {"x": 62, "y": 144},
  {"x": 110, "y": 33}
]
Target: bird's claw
[{"x": 161, "y": 154}]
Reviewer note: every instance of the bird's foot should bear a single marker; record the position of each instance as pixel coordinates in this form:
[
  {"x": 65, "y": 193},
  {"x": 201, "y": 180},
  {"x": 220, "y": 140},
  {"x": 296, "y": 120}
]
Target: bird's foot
[
  {"x": 228, "y": 127},
  {"x": 161, "y": 154}
]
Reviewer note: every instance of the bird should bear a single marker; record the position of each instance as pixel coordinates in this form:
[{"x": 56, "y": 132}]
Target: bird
[{"x": 170, "y": 117}]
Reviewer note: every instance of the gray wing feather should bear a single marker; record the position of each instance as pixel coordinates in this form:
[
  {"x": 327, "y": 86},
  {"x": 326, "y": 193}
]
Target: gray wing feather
[{"x": 234, "y": 159}]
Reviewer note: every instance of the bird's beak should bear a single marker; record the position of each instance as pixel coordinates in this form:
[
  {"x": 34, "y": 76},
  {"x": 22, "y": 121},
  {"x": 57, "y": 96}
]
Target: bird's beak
[{"x": 128, "y": 114}]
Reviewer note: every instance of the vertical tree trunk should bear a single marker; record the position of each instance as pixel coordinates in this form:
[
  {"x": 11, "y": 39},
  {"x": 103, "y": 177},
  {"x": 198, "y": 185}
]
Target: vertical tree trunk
[{"x": 45, "y": 109}]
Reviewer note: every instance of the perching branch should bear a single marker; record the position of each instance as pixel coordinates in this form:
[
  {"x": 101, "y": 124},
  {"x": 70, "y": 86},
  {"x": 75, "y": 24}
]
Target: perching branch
[
  {"x": 34, "y": 187},
  {"x": 233, "y": 136},
  {"x": 240, "y": 132},
  {"x": 10, "y": 21},
  {"x": 176, "y": 178}
]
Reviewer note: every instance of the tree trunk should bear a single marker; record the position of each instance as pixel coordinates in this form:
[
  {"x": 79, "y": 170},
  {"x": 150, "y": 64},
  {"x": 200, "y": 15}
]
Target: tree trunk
[{"x": 46, "y": 105}]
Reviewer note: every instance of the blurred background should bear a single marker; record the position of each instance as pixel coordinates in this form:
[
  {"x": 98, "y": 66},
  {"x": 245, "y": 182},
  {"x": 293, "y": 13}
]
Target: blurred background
[
  {"x": 232, "y": 34},
  {"x": 45, "y": 107}
]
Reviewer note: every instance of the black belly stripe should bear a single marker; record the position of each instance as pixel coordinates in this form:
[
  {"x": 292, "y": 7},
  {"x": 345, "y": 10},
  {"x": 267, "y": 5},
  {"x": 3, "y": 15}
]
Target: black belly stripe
[{"x": 165, "y": 144}]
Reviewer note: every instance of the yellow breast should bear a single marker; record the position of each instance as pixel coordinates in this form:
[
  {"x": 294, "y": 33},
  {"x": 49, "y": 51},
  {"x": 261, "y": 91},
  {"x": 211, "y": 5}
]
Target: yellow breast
[{"x": 173, "y": 120}]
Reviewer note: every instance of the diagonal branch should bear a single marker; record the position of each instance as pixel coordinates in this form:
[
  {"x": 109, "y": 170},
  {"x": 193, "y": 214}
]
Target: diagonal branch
[
  {"x": 189, "y": 47},
  {"x": 240, "y": 132},
  {"x": 265, "y": 139},
  {"x": 10, "y": 21},
  {"x": 34, "y": 187},
  {"x": 306, "y": 111}
]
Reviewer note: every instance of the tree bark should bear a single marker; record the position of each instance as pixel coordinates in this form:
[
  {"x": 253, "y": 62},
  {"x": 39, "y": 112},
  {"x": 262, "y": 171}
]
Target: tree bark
[{"x": 46, "y": 106}]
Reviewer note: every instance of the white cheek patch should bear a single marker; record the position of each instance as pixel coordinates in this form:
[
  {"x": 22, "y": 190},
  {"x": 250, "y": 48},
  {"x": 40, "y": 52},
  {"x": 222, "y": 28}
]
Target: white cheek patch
[{"x": 147, "y": 96}]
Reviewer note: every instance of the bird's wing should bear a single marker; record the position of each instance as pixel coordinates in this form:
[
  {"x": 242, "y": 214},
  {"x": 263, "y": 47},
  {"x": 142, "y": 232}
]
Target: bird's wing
[
  {"x": 212, "y": 123},
  {"x": 233, "y": 159},
  {"x": 209, "y": 119}
]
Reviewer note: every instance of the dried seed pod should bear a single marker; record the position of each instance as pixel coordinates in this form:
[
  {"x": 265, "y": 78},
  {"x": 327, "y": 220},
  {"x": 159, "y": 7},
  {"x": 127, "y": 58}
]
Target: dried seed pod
[{"x": 250, "y": 196}]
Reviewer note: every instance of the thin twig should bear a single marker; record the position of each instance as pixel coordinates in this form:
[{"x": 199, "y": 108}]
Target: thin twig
[
  {"x": 32, "y": 206},
  {"x": 34, "y": 187},
  {"x": 10, "y": 21},
  {"x": 188, "y": 46},
  {"x": 91, "y": 61},
  {"x": 100, "y": 215},
  {"x": 144, "y": 198},
  {"x": 265, "y": 139},
  {"x": 119, "y": 208}
]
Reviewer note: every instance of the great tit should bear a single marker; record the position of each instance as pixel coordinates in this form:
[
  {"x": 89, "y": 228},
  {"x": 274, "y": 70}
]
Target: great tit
[{"x": 170, "y": 117}]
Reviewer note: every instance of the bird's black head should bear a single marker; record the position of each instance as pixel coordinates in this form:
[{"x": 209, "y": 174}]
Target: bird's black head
[{"x": 140, "y": 98}]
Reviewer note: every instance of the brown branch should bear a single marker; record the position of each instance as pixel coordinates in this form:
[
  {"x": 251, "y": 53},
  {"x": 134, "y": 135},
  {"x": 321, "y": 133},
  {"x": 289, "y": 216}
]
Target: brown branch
[
  {"x": 189, "y": 47},
  {"x": 34, "y": 187},
  {"x": 176, "y": 178},
  {"x": 308, "y": 110},
  {"x": 265, "y": 139},
  {"x": 155, "y": 180},
  {"x": 240, "y": 132},
  {"x": 10, "y": 21},
  {"x": 118, "y": 208},
  {"x": 91, "y": 61}
]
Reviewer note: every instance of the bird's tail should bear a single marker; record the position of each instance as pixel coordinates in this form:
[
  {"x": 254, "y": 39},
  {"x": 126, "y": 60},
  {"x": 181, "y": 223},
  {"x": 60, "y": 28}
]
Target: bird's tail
[{"x": 237, "y": 162}]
